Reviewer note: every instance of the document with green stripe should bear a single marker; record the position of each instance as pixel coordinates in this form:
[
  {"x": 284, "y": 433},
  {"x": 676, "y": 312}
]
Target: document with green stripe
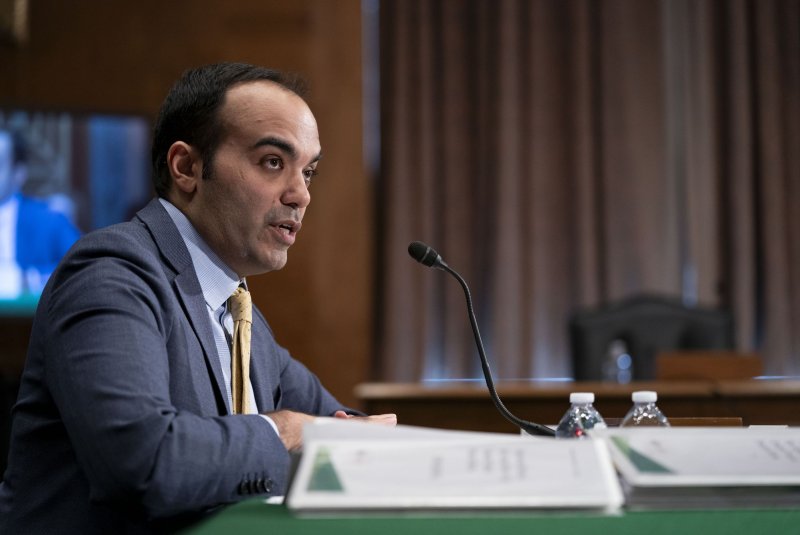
[
  {"x": 352, "y": 466},
  {"x": 706, "y": 467}
]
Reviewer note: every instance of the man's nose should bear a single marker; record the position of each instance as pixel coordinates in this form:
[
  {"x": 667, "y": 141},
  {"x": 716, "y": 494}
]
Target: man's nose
[{"x": 296, "y": 194}]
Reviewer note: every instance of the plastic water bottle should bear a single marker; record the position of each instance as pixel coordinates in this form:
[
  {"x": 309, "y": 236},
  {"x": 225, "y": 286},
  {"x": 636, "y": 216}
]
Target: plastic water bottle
[
  {"x": 644, "y": 412},
  {"x": 618, "y": 364},
  {"x": 580, "y": 417}
]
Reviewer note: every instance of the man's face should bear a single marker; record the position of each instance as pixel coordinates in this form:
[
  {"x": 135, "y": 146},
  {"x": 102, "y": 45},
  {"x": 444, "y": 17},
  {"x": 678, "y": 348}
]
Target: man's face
[{"x": 250, "y": 208}]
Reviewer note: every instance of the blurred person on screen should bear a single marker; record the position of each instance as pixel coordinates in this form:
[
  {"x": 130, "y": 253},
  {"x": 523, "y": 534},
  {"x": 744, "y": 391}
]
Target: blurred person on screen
[
  {"x": 125, "y": 421},
  {"x": 33, "y": 236}
]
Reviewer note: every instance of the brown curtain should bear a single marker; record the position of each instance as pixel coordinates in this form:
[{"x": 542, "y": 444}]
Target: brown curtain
[{"x": 561, "y": 154}]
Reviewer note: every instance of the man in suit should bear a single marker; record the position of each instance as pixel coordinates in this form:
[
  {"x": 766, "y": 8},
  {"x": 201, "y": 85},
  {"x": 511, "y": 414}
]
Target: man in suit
[
  {"x": 123, "y": 421},
  {"x": 33, "y": 237}
]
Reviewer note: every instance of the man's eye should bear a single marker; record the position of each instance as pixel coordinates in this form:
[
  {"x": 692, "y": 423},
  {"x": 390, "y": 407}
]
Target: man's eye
[
  {"x": 273, "y": 163},
  {"x": 309, "y": 174}
]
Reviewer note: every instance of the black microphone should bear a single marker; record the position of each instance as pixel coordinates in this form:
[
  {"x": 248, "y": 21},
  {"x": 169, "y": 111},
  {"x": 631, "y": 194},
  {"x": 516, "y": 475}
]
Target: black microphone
[
  {"x": 425, "y": 255},
  {"x": 429, "y": 257}
]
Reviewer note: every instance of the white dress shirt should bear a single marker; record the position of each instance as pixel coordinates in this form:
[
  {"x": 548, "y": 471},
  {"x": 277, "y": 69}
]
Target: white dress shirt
[{"x": 218, "y": 282}]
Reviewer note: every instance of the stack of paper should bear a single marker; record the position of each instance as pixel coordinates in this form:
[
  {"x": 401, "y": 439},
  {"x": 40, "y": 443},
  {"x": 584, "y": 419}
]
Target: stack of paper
[
  {"x": 354, "y": 466},
  {"x": 706, "y": 467}
]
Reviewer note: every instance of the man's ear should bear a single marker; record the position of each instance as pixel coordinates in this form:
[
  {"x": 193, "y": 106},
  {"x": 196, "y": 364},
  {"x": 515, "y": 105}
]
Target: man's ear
[{"x": 185, "y": 166}]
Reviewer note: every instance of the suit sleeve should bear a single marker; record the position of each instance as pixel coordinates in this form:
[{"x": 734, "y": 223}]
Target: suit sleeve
[
  {"x": 110, "y": 318},
  {"x": 297, "y": 388},
  {"x": 302, "y": 391}
]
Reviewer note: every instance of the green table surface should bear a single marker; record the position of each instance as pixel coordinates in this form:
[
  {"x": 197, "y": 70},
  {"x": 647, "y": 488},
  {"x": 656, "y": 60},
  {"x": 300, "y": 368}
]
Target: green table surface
[{"x": 257, "y": 517}]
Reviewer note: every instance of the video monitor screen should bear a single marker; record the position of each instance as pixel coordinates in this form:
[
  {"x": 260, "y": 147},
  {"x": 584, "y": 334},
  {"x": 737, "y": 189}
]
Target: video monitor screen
[{"x": 62, "y": 175}]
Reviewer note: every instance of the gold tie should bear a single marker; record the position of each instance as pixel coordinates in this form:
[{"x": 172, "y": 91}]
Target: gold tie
[{"x": 241, "y": 309}]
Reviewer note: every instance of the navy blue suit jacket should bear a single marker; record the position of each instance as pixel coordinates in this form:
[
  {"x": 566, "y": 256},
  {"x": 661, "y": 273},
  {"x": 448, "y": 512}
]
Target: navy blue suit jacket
[{"x": 122, "y": 423}]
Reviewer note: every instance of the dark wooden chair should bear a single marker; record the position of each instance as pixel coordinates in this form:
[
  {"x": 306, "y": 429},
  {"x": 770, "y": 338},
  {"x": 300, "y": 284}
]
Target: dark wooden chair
[{"x": 646, "y": 325}]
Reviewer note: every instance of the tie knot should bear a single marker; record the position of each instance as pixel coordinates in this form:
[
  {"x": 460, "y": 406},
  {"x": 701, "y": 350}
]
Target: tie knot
[{"x": 240, "y": 306}]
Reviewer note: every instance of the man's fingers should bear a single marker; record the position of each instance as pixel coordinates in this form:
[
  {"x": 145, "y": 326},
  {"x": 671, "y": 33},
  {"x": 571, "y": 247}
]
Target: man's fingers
[
  {"x": 380, "y": 419},
  {"x": 383, "y": 419}
]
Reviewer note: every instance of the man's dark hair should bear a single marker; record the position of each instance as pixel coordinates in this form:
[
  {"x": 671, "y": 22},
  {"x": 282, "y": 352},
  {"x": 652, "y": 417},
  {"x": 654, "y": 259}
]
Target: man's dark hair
[{"x": 190, "y": 112}]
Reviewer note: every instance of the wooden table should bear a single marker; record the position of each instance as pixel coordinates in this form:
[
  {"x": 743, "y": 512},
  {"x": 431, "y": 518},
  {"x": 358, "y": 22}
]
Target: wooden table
[{"x": 468, "y": 406}]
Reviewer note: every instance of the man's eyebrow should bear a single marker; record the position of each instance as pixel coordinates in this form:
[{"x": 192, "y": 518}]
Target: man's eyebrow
[{"x": 283, "y": 145}]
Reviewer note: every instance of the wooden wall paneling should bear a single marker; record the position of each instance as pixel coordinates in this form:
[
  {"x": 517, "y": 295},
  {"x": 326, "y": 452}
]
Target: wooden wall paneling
[{"x": 122, "y": 56}]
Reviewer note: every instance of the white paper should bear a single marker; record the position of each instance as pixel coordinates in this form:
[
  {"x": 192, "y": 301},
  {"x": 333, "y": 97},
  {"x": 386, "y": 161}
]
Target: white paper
[
  {"x": 705, "y": 456},
  {"x": 343, "y": 429},
  {"x": 402, "y": 467}
]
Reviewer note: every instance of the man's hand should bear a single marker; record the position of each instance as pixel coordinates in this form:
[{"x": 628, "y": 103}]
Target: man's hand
[
  {"x": 290, "y": 427},
  {"x": 380, "y": 419},
  {"x": 290, "y": 424}
]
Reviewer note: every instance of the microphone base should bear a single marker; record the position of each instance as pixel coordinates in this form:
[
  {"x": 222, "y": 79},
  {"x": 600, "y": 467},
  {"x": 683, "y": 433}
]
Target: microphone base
[{"x": 537, "y": 430}]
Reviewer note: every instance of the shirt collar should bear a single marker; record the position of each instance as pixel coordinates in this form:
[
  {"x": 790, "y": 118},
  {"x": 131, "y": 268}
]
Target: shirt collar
[{"x": 217, "y": 280}]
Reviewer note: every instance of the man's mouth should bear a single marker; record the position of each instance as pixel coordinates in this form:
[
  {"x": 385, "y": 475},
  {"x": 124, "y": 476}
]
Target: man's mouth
[
  {"x": 289, "y": 226},
  {"x": 287, "y": 229}
]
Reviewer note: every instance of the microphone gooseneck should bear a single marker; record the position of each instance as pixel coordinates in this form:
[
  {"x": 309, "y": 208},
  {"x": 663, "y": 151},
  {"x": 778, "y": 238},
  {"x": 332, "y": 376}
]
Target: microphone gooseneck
[{"x": 429, "y": 257}]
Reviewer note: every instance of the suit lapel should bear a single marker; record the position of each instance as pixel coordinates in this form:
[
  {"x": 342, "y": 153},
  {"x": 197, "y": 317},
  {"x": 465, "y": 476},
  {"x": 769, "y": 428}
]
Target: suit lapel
[
  {"x": 187, "y": 287},
  {"x": 260, "y": 362}
]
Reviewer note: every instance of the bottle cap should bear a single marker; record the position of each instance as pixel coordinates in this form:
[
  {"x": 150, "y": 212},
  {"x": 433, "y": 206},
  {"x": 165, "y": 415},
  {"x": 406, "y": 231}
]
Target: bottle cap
[
  {"x": 644, "y": 396},
  {"x": 581, "y": 397}
]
